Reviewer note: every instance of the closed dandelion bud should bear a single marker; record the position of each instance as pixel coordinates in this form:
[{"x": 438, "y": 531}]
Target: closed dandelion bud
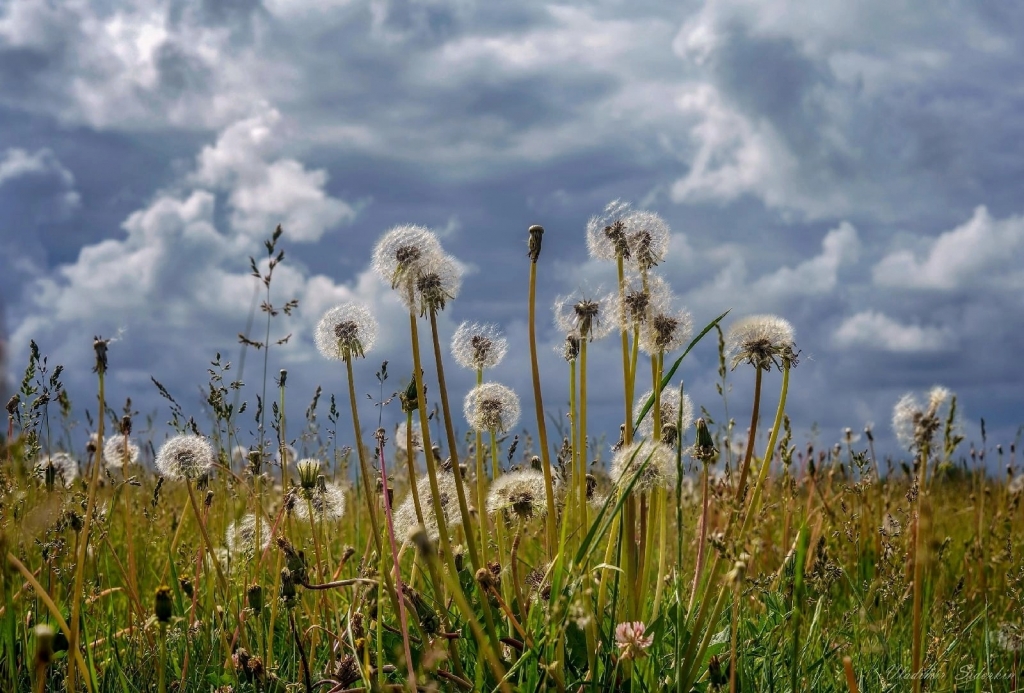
[
  {"x": 254, "y": 596},
  {"x": 163, "y": 608},
  {"x": 534, "y": 242},
  {"x": 126, "y": 425},
  {"x": 44, "y": 644},
  {"x": 704, "y": 448},
  {"x": 309, "y": 469},
  {"x": 186, "y": 586},
  {"x": 410, "y": 402},
  {"x": 288, "y": 590},
  {"x": 208, "y": 500}
]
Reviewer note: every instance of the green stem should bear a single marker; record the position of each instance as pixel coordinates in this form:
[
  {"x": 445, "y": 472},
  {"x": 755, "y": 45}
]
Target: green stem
[{"x": 542, "y": 431}]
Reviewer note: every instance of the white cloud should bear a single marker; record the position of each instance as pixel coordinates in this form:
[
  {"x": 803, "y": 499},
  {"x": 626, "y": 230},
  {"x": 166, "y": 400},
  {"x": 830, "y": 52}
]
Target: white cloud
[
  {"x": 42, "y": 164},
  {"x": 981, "y": 251},
  {"x": 818, "y": 275},
  {"x": 876, "y": 331}
]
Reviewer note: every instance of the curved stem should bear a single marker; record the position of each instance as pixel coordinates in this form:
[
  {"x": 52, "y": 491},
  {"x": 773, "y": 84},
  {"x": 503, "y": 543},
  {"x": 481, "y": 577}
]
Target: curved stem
[{"x": 542, "y": 431}]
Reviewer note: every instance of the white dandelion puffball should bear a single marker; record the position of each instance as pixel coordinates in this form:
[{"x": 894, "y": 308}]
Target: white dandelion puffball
[
  {"x": 760, "y": 340},
  {"x": 327, "y": 503},
  {"x": 492, "y": 407},
  {"x": 670, "y": 406},
  {"x": 660, "y": 469},
  {"x": 241, "y": 535},
  {"x": 185, "y": 457},
  {"x": 346, "y": 331},
  {"x": 117, "y": 455},
  {"x": 521, "y": 492},
  {"x": 477, "y": 346},
  {"x": 63, "y": 466}
]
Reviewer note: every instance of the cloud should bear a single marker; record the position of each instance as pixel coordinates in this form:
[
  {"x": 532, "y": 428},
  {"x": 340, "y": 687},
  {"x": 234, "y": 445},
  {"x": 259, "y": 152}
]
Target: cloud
[
  {"x": 979, "y": 252},
  {"x": 875, "y": 331}
]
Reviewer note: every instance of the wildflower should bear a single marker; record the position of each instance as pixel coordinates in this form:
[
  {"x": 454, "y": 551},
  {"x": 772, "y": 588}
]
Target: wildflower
[
  {"x": 492, "y": 407},
  {"x": 327, "y": 501},
  {"x": 915, "y": 424},
  {"x": 656, "y": 458},
  {"x": 670, "y": 409},
  {"x": 163, "y": 607},
  {"x": 241, "y": 535},
  {"x": 401, "y": 251},
  {"x": 522, "y": 492},
  {"x": 641, "y": 297},
  {"x": 762, "y": 340},
  {"x": 185, "y": 457},
  {"x": 117, "y": 453},
  {"x": 606, "y": 232},
  {"x": 584, "y": 316},
  {"x": 404, "y": 517},
  {"x": 631, "y": 641},
  {"x": 346, "y": 331},
  {"x": 59, "y": 465},
  {"x": 477, "y": 346}
]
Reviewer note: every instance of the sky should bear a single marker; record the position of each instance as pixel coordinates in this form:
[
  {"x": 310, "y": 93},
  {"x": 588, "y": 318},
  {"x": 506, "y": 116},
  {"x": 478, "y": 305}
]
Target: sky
[{"x": 853, "y": 167}]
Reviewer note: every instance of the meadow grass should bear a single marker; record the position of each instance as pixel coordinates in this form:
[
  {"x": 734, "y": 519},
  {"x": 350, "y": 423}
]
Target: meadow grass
[{"x": 516, "y": 559}]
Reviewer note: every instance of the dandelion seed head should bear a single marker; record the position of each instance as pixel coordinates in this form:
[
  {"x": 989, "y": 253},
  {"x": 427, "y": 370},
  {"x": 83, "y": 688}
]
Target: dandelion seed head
[
  {"x": 670, "y": 406},
  {"x": 346, "y": 331},
  {"x": 241, "y": 535},
  {"x": 606, "y": 232},
  {"x": 647, "y": 238},
  {"x": 327, "y": 501},
  {"x": 401, "y": 437},
  {"x": 404, "y": 517},
  {"x": 492, "y": 407},
  {"x": 569, "y": 349},
  {"x": 914, "y": 423},
  {"x": 438, "y": 280},
  {"x": 401, "y": 250},
  {"x": 522, "y": 493},
  {"x": 660, "y": 471},
  {"x": 666, "y": 332},
  {"x": 185, "y": 457},
  {"x": 477, "y": 346},
  {"x": 761, "y": 340},
  {"x": 1016, "y": 485},
  {"x": 117, "y": 455},
  {"x": 61, "y": 465},
  {"x": 584, "y": 315}
]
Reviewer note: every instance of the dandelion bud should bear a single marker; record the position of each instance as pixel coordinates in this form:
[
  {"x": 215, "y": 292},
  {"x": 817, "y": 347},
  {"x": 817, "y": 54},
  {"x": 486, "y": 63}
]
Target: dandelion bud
[
  {"x": 254, "y": 596},
  {"x": 44, "y": 644},
  {"x": 163, "y": 607},
  {"x": 126, "y": 425},
  {"x": 571, "y": 349},
  {"x": 282, "y": 378},
  {"x": 704, "y": 448},
  {"x": 410, "y": 402},
  {"x": 186, "y": 586},
  {"x": 100, "y": 345},
  {"x": 536, "y": 237},
  {"x": 309, "y": 469},
  {"x": 12, "y": 406},
  {"x": 288, "y": 591}
]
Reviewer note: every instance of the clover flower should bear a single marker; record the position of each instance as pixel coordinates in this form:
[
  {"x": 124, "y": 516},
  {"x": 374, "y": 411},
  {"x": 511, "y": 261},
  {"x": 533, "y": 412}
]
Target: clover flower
[
  {"x": 241, "y": 535},
  {"x": 492, "y": 407},
  {"x": 588, "y": 317},
  {"x": 117, "y": 454},
  {"x": 522, "y": 492},
  {"x": 762, "y": 340},
  {"x": 915, "y": 424},
  {"x": 185, "y": 457},
  {"x": 670, "y": 407},
  {"x": 404, "y": 517},
  {"x": 477, "y": 346},
  {"x": 631, "y": 640},
  {"x": 346, "y": 331},
  {"x": 59, "y": 465},
  {"x": 660, "y": 469},
  {"x": 326, "y": 499}
]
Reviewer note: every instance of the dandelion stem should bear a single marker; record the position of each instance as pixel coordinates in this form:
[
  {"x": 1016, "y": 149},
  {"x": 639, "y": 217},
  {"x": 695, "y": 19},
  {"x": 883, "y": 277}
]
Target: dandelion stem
[{"x": 542, "y": 432}]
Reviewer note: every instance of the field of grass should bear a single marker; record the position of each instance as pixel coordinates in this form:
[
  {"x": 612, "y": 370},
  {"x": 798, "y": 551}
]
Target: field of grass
[{"x": 708, "y": 555}]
